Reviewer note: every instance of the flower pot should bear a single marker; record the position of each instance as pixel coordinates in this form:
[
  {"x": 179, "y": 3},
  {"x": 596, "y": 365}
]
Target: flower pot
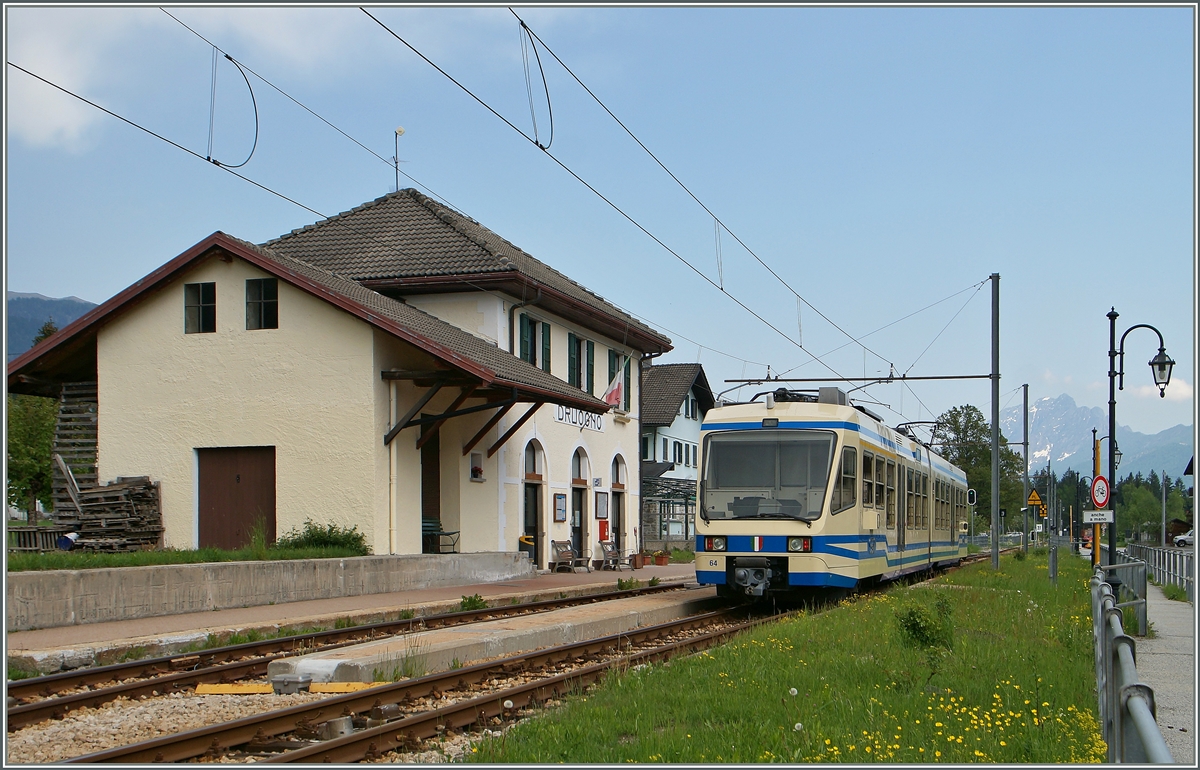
[{"x": 662, "y": 561}]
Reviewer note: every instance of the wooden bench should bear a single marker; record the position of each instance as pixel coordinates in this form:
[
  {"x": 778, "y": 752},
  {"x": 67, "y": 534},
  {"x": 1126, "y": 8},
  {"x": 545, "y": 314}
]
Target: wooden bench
[
  {"x": 612, "y": 557},
  {"x": 564, "y": 558},
  {"x": 434, "y": 539}
]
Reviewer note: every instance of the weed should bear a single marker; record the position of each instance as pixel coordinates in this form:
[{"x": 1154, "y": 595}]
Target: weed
[
  {"x": 19, "y": 669},
  {"x": 1174, "y": 592},
  {"x": 456, "y": 664},
  {"x": 628, "y": 585},
  {"x": 258, "y": 539},
  {"x": 133, "y": 653},
  {"x": 1019, "y": 555},
  {"x": 475, "y": 602},
  {"x": 515, "y": 600},
  {"x": 329, "y": 536},
  {"x": 654, "y": 581},
  {"x": 341, "y": 623},
  {"x": 406, "y": 615},
  {"x": 919, "y": 627},
  {"x": 682, "y": 556}
]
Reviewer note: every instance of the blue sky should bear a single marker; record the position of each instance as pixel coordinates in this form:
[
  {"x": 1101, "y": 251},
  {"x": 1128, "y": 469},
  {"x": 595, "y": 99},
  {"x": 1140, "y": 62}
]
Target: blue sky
[{"x": 880, "y": 160}]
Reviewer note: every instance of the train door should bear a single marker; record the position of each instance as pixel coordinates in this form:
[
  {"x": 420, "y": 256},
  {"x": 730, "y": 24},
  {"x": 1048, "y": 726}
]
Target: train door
[{"x": 891, "y": 503}]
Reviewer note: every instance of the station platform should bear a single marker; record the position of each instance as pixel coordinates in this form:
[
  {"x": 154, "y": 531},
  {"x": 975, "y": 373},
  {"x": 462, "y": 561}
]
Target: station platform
[
  {"x": 1166, "y": 661},
  {"x": 53, "y": 649}
]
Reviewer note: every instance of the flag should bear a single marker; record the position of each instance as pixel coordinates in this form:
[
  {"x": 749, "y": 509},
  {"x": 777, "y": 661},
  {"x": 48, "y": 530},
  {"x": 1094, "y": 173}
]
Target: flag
[{"x": 614, "y": 394}]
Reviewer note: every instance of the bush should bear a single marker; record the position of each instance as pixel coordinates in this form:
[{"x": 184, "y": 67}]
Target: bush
[
  {"x": 921, "y": 627},
  {"x": 329, "y": 536},
  {"x": 475, "y": 602}
]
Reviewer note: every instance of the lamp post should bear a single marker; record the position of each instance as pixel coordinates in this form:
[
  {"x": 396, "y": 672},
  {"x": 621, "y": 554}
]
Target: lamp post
[
  {"x": 1161, "y": 366},
  {"x": 396, "y": 157}
]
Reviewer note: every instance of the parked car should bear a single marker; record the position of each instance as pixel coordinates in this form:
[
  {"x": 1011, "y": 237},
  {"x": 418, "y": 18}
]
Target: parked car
[{"x": 1186, "y": 539}]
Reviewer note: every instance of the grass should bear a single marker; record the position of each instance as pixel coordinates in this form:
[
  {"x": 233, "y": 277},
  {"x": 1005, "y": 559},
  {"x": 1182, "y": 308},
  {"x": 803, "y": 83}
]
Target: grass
[
  {"x": 1174, "y": 592},
  {"x": 23, "y": 562},
  {"x": 978, "y": 666},
  {"x": 474, "y": 602},
  {"x": 682, "y": 556}
]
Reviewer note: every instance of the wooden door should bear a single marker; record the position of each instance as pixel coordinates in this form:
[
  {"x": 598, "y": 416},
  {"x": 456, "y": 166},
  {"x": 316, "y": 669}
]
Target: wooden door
[
  {"x": 533, "y": 523},
  {"x": 237, "y": 490}
]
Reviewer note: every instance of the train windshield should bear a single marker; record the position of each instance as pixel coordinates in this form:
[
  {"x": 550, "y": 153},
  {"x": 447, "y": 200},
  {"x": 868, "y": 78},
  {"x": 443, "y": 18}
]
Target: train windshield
[{"x": 773, "y": 474}]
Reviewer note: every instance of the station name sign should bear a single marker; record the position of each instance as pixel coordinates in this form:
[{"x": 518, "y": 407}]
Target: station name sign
[{"x": 579, "y": 418}]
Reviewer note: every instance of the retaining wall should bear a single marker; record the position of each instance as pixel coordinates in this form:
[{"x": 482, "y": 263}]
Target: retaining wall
[{"x": 68, "y": 597}]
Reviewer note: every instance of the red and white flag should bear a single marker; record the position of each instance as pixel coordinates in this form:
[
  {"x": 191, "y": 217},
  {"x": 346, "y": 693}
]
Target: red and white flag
[{"x": 615, "y": 394}]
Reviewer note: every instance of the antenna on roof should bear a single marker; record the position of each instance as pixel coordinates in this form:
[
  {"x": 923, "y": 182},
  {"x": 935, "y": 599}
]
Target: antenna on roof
[{"x": 396, "y": 157}]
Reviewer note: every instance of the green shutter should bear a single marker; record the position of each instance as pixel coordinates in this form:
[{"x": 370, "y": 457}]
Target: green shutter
[
  {"x": 526, "y": 346},
  {"x": 627, "y": 383},
  {"x": 572, "y": 360},
  {"x": 545, "y": 346},
  {"x": 591, "y": 368},
  {"x": 612, "y": 367}
]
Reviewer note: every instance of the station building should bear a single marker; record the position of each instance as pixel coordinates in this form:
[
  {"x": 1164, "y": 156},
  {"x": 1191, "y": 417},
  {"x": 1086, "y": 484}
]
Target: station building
[{"x": 398, "y": 368}]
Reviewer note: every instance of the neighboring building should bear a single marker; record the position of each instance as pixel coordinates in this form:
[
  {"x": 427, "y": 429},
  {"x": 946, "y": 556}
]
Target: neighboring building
[
  {"x": 675, "y": 398},
  {"x": 397, "y": 367}
]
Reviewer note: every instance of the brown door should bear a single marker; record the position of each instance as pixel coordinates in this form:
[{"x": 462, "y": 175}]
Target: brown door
[{"x": 237, "y": 491}]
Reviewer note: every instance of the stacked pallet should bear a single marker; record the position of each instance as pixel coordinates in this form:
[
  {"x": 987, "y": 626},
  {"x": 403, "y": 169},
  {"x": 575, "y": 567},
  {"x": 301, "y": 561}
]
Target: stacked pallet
[{"x": 124, "y": 515}]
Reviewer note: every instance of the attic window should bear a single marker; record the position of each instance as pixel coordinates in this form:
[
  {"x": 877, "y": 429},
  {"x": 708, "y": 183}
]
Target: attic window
[
  {"x": 262, "y": 303},
  {"x": 199, "y": 308}
]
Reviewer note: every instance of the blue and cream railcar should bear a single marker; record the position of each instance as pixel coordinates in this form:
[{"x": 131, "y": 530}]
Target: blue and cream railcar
[{"x": 808, "y": 492}]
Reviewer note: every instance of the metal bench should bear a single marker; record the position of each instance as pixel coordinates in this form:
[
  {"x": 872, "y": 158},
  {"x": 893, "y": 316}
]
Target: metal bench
[
  {"x": 434, "y": 539},
  {"x": 612, "y": 557},
  {"x": 564, "y": 558}
]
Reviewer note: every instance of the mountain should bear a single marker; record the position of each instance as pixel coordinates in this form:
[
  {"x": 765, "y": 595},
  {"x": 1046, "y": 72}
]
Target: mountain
[
  {"x": 1060, "y": 432},
  {"x": 27, "y": 313}
]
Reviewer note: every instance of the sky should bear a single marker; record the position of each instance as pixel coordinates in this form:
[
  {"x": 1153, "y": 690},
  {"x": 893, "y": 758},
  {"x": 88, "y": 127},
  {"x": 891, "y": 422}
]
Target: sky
[{"x": 870, "y": 168}]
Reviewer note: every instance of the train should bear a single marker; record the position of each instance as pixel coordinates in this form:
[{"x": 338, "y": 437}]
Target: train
[{"x": 806, "y": 492}]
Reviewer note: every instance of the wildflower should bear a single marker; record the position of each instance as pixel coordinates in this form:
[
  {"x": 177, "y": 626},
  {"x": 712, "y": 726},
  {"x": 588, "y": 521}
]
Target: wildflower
[
  {"x": 797, "y": 728},
  {"x": 793, "y": 692}
]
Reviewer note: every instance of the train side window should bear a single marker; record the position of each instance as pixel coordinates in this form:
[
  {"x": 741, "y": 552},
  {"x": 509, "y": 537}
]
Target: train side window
[
  {"x": 891, "y": 494},
  {"x": 924, "y": 500},
  {"x": 910, "y": 499},
  {"x": 845, "y": 489},
  {"x": 879, "y": 465},
  {"x": 868, "y": 473}
]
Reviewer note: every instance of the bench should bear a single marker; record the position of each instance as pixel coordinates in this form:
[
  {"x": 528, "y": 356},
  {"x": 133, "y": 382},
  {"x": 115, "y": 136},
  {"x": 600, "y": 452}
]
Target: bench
[
  {"x": 612, "y": 557},
  {"x": 434, "y": 539},
  {"x": 564, "y": 558}
]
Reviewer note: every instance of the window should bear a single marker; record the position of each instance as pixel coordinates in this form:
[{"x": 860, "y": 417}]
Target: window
[
  {"x": 910, "y": 496},
  {"x": 581, "y": 363},
  {"x": 879, "y": 465},
  {"x": 845, "y": 490},
  {"x": 262, "y": 303},
  {"x": 646, "y": 448},
  {"x": 677, "y": 452},
  {"x": 664, "y": 452},
  {"x": 868, "y": 476},
  {"x": 199, "y": 308},
  {"x": 891, "y": 494},
  {"x": 614, "y": 361},
  {"x": 531, "y": 332}
]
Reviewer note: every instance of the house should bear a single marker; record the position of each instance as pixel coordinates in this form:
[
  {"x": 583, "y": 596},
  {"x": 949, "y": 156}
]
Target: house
[
  {"x": 397, "y": 367},
  {"x": 674, "y": 400}
]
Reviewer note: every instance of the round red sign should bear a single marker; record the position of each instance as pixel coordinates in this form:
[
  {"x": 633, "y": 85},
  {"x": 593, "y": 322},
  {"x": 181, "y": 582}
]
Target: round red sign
[{"x": 1100, "y": 493}]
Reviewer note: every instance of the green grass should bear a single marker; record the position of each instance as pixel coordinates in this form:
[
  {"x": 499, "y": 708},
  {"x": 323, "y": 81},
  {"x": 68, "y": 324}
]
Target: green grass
[
  {"x": 682, "y": 556},
  {"x": 1174, "y": 592},
  {"x": 979, "y": 666},
  {"x": 22, "y": 562},
  {"x": 474, "y": 602}
]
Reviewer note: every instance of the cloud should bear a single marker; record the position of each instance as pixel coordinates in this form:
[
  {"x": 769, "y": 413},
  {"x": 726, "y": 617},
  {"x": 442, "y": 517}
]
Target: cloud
[{"x": 1178, "y": 390}]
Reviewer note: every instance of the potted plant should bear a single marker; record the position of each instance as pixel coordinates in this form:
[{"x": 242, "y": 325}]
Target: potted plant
[
  {"x": 639, "y": 560},
  {"x": 661, "y": 558}
]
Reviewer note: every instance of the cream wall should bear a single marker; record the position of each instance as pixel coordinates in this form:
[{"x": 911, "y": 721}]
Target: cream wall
[
  {"x": 304, "y": 388},
  {"x": 474, "y": 312}
]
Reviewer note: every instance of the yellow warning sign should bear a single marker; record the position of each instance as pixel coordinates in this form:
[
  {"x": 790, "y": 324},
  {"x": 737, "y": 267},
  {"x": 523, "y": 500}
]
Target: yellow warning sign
[{"x": 1035, "y": 500}]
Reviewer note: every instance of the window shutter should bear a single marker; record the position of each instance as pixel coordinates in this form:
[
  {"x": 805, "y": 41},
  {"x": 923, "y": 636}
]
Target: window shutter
[
  {"x": 526, "y": 343},
  {"x": 612, "y": 366},
  {"x": 628, "y": 384},
  {"x": 572, "y": 360},
  {"x": 545, "y": 346},
  {"x": 591, "y": 368}
]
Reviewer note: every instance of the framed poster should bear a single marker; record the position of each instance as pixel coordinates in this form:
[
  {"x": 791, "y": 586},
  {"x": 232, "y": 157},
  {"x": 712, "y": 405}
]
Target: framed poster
[
  {"x": 560, "y": 507},
  {"x": 601, "y": 505}
]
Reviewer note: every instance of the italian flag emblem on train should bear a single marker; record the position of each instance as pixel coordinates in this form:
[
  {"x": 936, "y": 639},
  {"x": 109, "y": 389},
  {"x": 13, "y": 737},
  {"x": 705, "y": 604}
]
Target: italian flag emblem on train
[{"x": 758, "y": 543}]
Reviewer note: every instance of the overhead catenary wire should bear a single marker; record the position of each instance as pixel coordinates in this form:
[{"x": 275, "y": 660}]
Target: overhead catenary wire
[
  {"x": 310, "y": 111},
  {"x": 693, "y": 196},
  {"x": 592, "y": 189},
  {"x": 332, "y": 220}
]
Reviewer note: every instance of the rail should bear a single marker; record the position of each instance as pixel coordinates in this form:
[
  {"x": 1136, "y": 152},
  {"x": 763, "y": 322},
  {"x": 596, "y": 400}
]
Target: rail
[
  {"x": 1134, "y": 583},
  {"x": 1127, "y": 713},
  {"x": 1169, "y": 566}
]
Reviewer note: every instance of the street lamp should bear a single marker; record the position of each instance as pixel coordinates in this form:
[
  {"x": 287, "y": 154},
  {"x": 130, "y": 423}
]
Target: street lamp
[{"x": 1160, "y": 366}]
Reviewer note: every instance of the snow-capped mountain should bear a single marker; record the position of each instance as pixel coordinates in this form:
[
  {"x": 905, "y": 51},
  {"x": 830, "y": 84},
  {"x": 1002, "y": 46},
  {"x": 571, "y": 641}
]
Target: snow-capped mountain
[{"x": 1060, "y": 432}]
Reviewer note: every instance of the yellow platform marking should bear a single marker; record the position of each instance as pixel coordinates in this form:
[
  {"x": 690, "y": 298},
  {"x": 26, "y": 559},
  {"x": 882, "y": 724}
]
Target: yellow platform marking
[{"x": 261, "y": 688}]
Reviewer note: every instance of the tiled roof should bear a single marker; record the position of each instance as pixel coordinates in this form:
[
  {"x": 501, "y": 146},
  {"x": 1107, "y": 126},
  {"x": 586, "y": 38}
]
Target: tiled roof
[
  {"x": 652, "y": 470},
  {"x": 507, "y": 367},
  {"x": 663, "y": 389},
  {"x": 408, "y": 235}
]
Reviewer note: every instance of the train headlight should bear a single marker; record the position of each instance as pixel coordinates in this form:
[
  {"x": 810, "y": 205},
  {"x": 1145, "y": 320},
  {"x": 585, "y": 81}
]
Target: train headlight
[
  {"x": 800, "y": 544},
  {"x": 714, "y": 544}
]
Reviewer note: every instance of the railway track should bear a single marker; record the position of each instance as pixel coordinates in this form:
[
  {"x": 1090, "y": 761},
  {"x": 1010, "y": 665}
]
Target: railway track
[
  {"x": 54, "y": 696},
  {"x": 400, "y": 724}
]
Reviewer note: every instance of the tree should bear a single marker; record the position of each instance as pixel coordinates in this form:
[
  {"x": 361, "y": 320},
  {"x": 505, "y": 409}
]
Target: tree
[
  {"x": 963, "y": 437},
  {"x": 30, "y": 444}
]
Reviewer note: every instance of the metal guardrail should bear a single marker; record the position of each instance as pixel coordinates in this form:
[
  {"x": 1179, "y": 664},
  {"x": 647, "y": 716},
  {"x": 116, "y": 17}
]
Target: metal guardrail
[
  {"x": 1127, "y": 713},
  {"x": 1169, "y": 566},
  {"x": 1133, "y": 580}
]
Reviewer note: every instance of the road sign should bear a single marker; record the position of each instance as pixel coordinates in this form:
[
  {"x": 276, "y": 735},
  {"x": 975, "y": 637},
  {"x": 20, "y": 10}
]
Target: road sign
[
  {"x": 1042, "y": 510},
  {"x": 1097, "y": 517},
  {"x": 1034, "y": 499},
  {"x": 1100, "y": 492}
]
